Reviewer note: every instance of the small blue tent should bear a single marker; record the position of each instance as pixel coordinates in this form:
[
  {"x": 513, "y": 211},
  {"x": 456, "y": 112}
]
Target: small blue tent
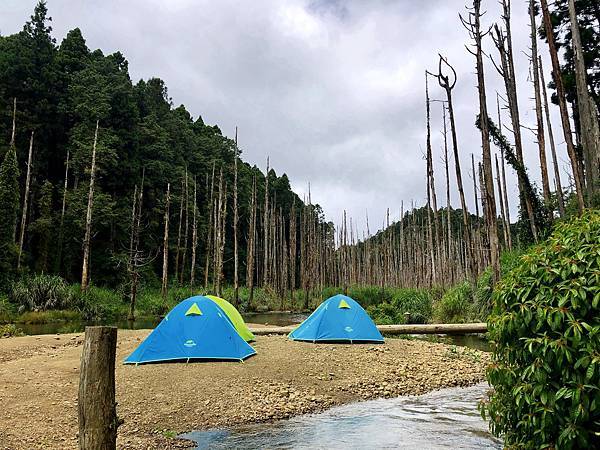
[
  {"x": 339, "y": 318},
  {"x": 197, "y": 328}
]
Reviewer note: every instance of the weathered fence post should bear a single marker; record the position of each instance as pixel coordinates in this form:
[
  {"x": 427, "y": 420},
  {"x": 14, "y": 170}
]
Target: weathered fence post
[{"x": 97, "y": 408}]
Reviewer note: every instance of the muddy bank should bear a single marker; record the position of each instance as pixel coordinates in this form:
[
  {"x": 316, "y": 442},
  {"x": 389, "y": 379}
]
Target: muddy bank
[{"x": 39, "y": 377}]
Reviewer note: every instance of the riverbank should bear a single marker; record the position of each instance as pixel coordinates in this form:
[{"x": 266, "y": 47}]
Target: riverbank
[{"x": 40, "y": 376}]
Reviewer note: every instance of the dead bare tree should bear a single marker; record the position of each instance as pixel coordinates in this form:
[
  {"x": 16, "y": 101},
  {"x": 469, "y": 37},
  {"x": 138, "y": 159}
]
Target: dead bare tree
[
  {"x": 251, "y": 244},
  {"x": 210, "y": 233},
  {"x": 194, "y": 237},
  {"x": 447, "y": 82},
  {"x": 236, "y": 287},
  {"x": 562, "y": 104},
  {"x": 503, "y": 42},
  {"x": 588, "y": 113},
  {"x": 88, "y": 218},
  {"x": 165, "y": 266},
  {"x": 559, "y": 192},
  {"x": 473, "y": 25},
  {"x": 538, "y": 108},
  {"x": 25, "y": 202}
]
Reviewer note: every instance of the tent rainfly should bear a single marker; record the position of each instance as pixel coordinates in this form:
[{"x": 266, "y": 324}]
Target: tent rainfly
[
  {"x": 339, "y": 318},
  {"x": 234, "y": 316},
  {"x": 197, "y": 328}
]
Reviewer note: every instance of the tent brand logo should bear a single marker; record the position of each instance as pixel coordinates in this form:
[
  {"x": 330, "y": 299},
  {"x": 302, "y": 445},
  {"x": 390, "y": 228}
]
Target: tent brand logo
[
  {"x": 189, "y": 343},
  {"x": 343, "y": 304},
  {"x": 349, "y": 329},
  {"x": 193, "y": 311}
]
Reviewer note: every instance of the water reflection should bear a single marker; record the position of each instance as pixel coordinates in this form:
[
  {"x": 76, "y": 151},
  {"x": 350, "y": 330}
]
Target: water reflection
[{"x": 446, "y": 419}]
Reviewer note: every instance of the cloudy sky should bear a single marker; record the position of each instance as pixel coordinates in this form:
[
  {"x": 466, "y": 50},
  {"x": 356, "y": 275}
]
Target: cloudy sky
[{"x": 332, "y": 91}]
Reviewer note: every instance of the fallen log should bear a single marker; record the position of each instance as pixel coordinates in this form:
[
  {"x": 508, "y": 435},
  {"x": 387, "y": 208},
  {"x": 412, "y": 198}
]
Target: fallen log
[{"x": 429, "y": 328}]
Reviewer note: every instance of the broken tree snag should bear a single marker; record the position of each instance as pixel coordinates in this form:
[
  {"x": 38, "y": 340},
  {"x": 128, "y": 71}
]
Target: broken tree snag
[{"x": 97, "y": 408}]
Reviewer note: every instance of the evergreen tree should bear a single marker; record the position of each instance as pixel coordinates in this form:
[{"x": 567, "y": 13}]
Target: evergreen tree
[{"x": 9, "y": 205}]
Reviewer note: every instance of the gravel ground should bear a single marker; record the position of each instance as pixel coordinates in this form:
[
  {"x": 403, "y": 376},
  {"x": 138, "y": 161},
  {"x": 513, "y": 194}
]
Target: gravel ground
[{"x": 39, "y": 377}]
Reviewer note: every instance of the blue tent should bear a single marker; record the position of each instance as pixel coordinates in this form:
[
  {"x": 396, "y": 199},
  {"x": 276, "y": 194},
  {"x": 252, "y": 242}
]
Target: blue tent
[
  {"x": 197, "y": 328},
  {"x": 339, "y": 318}
]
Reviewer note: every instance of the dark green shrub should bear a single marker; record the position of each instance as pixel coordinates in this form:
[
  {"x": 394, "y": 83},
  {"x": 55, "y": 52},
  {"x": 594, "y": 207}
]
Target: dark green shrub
[
  {"x": 545, "y": 333},
  {"x": 98, "y": 303},
  {"x": 456, "y": 305},
  {"x": 40, "y": 293},
  {"x": 412, "y": 305}
]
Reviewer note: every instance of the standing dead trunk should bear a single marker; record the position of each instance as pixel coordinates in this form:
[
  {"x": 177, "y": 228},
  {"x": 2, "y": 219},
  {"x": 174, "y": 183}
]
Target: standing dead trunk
[
  {"x": 473, "y": 26},
  {"x": 447, "y": 85},
  {"x": 210, "y": 233},
  {"x": 178, "y": 246},
  {"x": 505, "y": 228},
  {"x": 266, "y": 230},
  {"x": 559, "y": 192},
  {"x": 25, "y": 203},
  {"x": 503, "y": 43},
  {"x": 588, "y": 113},
  {"x": 506, "y": 203},
  {"x": 194, "y": 237},
  {"x": 562, "y": 104},
  {"x": 186, "y": 229},
  {"x": 236, "y": 288},
  {"x": 165, "y": 267},
  {"x": 88, "y": 218},
  {"x": 61, "y": 232},
  {"x": 251, "y": 245},
  {"x": 538, "y": 108}
]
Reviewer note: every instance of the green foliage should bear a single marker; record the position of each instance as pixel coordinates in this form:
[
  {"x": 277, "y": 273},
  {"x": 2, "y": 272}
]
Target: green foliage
[
  {"x": 40, "y": 293},
  {"x": 7, "y": 310},
  {"x": 41, "y": 317},
  {"x": 97, "y": 303},
  {"x": 456, "y": 305},
  {"x": 10, "y": 330},
  {"x": 9, "y": 205},
  {"x": 405, "y": 305},
  {"x": 545, "y": 333}
]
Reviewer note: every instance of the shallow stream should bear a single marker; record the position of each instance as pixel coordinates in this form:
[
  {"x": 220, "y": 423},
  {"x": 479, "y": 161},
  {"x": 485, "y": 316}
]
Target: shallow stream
[{"x": 445, "y": 419}]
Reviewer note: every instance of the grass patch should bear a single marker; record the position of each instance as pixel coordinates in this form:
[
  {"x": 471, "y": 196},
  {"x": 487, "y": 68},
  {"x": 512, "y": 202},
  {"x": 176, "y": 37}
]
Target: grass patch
[{"x": 41, "y": 317}]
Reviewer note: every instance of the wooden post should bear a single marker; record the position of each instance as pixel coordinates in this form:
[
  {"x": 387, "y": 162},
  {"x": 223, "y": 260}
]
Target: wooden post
[{"x": 97, "y": 408}]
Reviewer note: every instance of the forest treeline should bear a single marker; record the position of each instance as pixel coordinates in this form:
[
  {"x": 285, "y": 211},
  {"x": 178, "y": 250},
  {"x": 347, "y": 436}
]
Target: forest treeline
[{"x": 104, "y": 181}]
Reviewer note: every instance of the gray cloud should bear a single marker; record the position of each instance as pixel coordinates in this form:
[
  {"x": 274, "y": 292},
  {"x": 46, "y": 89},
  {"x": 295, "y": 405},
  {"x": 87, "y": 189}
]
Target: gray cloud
[{"x": 332, "y": 91}]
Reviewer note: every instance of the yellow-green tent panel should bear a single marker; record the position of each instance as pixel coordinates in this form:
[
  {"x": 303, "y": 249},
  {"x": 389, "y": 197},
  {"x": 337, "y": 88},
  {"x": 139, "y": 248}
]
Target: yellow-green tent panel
[{"x": 236, "y": 318}]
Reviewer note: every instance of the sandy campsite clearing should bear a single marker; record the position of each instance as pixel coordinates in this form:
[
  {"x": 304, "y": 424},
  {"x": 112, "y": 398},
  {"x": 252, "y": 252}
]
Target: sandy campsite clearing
[{"x": 39, "y": 378}]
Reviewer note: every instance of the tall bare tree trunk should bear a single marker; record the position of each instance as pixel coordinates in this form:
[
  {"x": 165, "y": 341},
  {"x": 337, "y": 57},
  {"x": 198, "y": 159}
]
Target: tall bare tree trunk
[
  {"x": 236, "y": 288},
  {"x": 447, "y": 85},
  {"x": 505, "y": 228},
  {"x": 506, "y": 203},
  {"x": 251, "y": 245},
  {"x": 210, "y": 233},
  {"x": 266, "y": 230},
  {"x": 186, "y": 229},
  {"x": 504, "y": 45},
  {"x": 194, "y": 237},
  {"x": 474, "y": 28},
  {"x": 61, "y": 233},
  {"x": 178, "y": 247},
  {"x": 562, "y": 104},
  {"x": 165, "y": 267},
  {"x": 559, "y": 192},
  {"x": 25, "y": 203},
  {"x": 588, "y": 114},
  {"x": 538, "y": 108},
  {"x": 88, "y": 218}
]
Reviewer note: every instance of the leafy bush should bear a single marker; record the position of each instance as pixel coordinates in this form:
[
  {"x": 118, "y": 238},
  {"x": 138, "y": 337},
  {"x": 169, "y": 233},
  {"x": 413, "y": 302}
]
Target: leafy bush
[
  {"x": 545, "y": 333},
  {"x": 40, "y": 293},
  {"x": 7, "y": 310},
  {"x": 412, "y": 305},
  {"x": 456, "y": 305},
  {"x": 10, "y": 330},
  {"x": 97, "y": 303}
]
